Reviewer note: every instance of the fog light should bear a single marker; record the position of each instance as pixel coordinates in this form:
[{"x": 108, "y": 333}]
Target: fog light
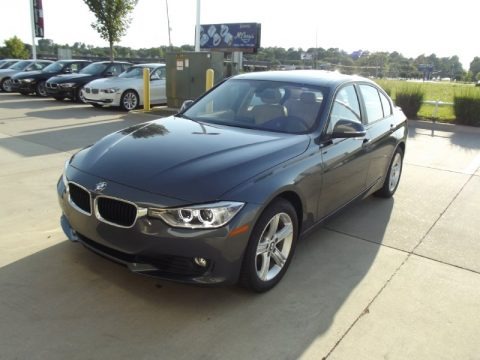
[{"x": 200, "y": 261}]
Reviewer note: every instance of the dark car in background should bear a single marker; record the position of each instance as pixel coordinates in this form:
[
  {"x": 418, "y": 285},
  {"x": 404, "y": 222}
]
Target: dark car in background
[
  {"x": 6, "y": 63},
  {"x": 71, "y": 85},
  {"x": 221, "y": 191},
  {"x": 18, "y": 67},
  {"x": 34, "y": 81}
]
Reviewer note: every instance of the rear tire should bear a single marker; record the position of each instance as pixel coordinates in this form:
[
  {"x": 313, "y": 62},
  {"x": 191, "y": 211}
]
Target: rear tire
[
  {"x": 271, "y": 247},
  {"x": 40, "y": 89},
  {"x": 394, "y": 173}
]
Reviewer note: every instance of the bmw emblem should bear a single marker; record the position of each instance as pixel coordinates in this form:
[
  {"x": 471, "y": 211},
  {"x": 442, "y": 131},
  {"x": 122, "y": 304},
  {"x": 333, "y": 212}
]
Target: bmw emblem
[{"x": 100, "y": 186}]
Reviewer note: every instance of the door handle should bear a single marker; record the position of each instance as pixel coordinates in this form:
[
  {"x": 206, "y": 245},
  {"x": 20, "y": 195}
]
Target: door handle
[{"x": 365, "y": 141}]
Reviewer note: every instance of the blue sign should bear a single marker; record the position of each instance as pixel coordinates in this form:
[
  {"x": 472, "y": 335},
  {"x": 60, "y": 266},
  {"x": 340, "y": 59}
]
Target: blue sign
[{"x": 230, "y": 37}]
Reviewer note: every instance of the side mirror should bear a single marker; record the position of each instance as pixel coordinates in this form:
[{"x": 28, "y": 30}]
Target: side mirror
[
  {"x": 348, "y": 129},
  {"x": 186, "y": 104}
]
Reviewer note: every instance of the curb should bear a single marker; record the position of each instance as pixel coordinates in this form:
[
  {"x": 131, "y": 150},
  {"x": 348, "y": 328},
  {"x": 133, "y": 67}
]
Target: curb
[{"x": 432, "y": 125}]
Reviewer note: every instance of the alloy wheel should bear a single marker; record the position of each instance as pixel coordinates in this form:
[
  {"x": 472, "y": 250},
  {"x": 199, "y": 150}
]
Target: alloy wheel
[
  {"x": 274, "y": 246},
  {"x": 130, "y": 100},
  {"x": 395, "y": 172},
  {"x": 7, "y": 85}
]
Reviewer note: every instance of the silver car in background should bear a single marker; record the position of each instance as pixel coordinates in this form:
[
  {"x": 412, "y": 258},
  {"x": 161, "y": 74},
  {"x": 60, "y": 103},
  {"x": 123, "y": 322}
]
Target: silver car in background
[
  {"x": 126, "y": 90},
  {"x": 6, "y": 63},
  {"x": 23, "y": 65}
]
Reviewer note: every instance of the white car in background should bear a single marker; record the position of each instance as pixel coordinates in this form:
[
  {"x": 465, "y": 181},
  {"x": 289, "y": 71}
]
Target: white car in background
[{"x": 126, "y": 90}]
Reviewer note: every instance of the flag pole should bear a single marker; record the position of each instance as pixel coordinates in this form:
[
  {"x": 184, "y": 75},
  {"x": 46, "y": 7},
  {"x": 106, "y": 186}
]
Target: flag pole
[
  {"x": 34, "y": 47},
  {"x": 197, "y": 29}
]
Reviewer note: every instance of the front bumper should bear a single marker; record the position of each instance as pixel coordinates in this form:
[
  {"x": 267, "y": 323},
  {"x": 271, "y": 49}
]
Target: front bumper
[
  {"x": 22, "y": 86},
  {"x": 95, "y": 96},
  {"x": 60, "y": 92},
  {"x": 151, "y": 247}
]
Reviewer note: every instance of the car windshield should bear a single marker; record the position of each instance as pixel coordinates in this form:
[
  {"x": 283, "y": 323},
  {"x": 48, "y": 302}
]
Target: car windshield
[
  {"x": 20, "y": 65},
  {"x": 133, "y": 72},
  {"x": 94, "y": 69},
  {"x": 259, "y": 104},
  {"x": 55, "y": 67}
]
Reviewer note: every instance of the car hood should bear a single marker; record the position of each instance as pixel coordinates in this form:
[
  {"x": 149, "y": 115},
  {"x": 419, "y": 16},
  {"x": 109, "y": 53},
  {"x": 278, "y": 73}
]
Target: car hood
[
  {"x": 7, "y": 72},
  {"x": 33, "y": 75},
  {"x": 76, "y": 78},
  {"x": 187, "y": 160},
  {"x": 114, "y": 81}
]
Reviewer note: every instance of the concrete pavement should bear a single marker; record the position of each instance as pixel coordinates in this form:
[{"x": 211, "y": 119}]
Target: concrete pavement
[{"x": 394, "y": 279}]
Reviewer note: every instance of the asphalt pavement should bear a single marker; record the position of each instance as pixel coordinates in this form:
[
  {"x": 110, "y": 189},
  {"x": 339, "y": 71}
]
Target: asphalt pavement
[{"x": 385, "y": 279}]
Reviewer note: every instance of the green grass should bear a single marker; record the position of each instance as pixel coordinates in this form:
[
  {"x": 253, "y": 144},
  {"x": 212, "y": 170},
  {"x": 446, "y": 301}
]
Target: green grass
[{"x": 441, "y": 91}]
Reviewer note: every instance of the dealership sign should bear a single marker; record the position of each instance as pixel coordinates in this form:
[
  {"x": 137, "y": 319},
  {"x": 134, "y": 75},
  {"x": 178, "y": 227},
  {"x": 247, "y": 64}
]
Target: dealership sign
[{"x": 230, "y": 37}]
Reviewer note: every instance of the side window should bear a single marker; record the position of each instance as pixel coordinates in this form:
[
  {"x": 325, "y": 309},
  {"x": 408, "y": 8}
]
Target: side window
[
  {"x": 387, "y": 108},
  {"x": 125, "y": 67},
  {"x": 42, "y": 65},
  {"x": 37, "y": 66},
  {"x": 345, "y": 107},
  {"x": 158, "y": 74},
  {"x": 74, "y": 67},
  {"x": 373, "y": 104},
  {"x": 115, "y": 69}
]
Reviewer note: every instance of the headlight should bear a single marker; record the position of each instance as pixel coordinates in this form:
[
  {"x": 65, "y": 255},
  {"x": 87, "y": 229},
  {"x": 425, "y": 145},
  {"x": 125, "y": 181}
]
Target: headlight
[
  {"x": 206, "y": 216},
  {"x": 64, "y": 174},
  {"x": 67, "y": 85},
  {"x": 110, "y": 91}
]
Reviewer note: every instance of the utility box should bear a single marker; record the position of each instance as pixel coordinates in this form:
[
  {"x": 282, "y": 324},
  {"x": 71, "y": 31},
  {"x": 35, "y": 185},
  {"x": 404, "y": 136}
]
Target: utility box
[{"x": 186, "y": 75}]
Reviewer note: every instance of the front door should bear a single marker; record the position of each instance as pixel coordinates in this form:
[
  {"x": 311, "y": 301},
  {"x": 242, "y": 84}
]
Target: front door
[
  {"x": 345, "y": 161},
  {"x": 157, "y": 86}
]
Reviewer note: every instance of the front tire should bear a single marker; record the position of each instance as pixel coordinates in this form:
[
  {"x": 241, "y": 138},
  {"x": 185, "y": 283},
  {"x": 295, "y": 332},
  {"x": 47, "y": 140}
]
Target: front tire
[
  {"x": 394, "y": 173},
  {"x": 129, "y": 100},
  {"x": 79, "y": 96},
  {"x": 6, "y": 85},
  {"x": 40, "y": 89},
  {"x": 271, "y": 247}
]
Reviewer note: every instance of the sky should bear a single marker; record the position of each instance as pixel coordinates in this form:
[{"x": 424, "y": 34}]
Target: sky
[{"x": 411, "y": 27}]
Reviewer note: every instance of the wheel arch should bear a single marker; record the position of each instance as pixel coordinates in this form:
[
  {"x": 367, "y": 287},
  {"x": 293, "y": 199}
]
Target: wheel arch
[{"x": 293, "y": 198}]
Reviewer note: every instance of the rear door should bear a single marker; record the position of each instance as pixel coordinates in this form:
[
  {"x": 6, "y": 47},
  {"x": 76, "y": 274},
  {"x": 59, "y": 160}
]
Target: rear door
[
  {"x": 380, "y": 125},
  {"x": 345, "y": 161}
]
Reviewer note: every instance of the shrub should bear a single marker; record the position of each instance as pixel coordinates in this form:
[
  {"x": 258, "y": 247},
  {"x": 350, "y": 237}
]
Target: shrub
[
  {"x": 409, "y": 98},
  {"x": 466, "y": 105}
]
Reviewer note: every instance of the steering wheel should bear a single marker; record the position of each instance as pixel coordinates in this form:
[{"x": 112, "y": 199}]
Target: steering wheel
[{"x": 281, "y": 123}]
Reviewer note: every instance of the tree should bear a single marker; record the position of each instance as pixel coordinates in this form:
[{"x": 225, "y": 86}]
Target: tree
[
  {"x": 112, "y": 19},
  {"x": 15, "y": 48},
  {"x": 475, "y": 67}
]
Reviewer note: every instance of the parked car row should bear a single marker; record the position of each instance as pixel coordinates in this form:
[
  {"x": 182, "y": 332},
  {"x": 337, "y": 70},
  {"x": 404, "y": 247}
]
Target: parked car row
[{"x": 101, "y": 84}]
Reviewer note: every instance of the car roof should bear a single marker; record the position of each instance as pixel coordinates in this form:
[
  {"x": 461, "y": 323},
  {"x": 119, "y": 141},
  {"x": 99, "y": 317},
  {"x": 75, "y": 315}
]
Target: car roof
[
  {"x": 150, "y": 65},
  {"x": 310, "y": 77},
  {"x": 112, "y": 62},
  {"x": 73, "y": 60}
]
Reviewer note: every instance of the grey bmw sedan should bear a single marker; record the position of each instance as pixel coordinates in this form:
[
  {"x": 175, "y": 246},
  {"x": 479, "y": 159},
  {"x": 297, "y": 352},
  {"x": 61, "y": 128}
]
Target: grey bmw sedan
[{"x": 221, "y": 192}]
